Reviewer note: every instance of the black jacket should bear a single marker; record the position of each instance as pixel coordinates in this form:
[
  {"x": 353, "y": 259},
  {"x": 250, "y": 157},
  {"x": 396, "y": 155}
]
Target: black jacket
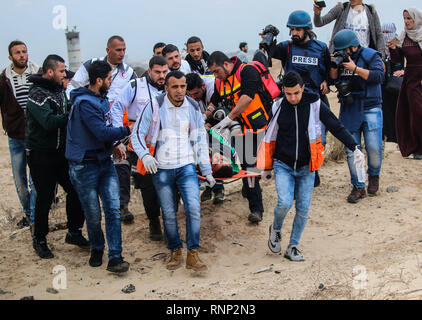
[{"x": 292, "y": 144}]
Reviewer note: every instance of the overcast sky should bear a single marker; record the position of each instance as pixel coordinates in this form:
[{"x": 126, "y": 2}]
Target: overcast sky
[{"x": 221, "y": 24}]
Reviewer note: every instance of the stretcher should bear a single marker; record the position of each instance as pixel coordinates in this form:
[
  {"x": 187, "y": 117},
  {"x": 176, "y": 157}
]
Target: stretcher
[{"x": 240, "y": 175}]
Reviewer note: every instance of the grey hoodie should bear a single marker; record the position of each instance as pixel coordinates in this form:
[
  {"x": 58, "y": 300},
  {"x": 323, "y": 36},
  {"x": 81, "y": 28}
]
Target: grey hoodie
[{"x": 340, "y": 13}]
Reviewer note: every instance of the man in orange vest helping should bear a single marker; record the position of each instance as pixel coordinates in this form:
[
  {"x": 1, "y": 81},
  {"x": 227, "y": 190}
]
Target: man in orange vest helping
[
  {"x": 292, "y": 147},
  {"x": 240, "y": 88}
]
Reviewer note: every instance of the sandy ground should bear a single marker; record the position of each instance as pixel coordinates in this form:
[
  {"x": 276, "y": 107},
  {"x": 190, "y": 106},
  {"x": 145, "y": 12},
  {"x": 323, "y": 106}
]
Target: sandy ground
[{"x": 369, "y": 250}]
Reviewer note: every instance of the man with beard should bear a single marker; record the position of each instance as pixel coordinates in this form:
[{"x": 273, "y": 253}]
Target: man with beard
[
  {"x": 197, "y": 57},
  {"x": 174, "y": 59},
  {"x": 14, "y": 89},
  {"x": 121, "y": 75},
  {"x": 47, "y": 114},
  {"x": 170, "y": 139},
  {"x": 134, "y": 98},
  {"x": 306, "y": 56},
  {"x": 89, "y": 144}
]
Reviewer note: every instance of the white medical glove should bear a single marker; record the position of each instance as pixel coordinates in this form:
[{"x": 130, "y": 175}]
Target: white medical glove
[
  {"x": 222, "y": 124},
  {"x": 150, "y": 163},
  {"x": 359, "y": 162},
  {"x": 210, "y": 181}
]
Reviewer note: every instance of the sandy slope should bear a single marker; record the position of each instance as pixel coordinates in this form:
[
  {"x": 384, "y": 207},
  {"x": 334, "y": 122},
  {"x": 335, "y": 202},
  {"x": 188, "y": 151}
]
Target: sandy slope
[{"x": 382, "y": 233}]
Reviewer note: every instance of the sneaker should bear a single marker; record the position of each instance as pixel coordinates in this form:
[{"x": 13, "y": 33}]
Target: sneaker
[
  {"x": 117, "y": 265},
  {"x": 255, "y": 217},
  {"x": 96, "y": 258},
  {"x": 317, "y": 181},
  {"x": 193, "y": 261},
  {"x": 24, "y": 222},
  {"x": 155, "y": 233},
  {"x": 42, "y": 249},
  {"x": 218, "y": 196},
  {"x": 175, "y": 259},
  {"x": 293, "y": 254},
  {"x": 417, "y": 156},
  {"x": 373, "y": 185},
  {"x": 125, "y": 215},
  {"x": 206, "y": 195},
  {"x": 77, "y": 238},
  {"x": 274, "y": 241},
  {"x": 356, "y": 195}
]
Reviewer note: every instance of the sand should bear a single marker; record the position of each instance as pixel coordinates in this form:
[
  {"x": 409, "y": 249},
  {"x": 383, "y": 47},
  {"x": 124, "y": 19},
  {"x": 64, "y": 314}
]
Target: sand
[{"x": 369, "y": 250}]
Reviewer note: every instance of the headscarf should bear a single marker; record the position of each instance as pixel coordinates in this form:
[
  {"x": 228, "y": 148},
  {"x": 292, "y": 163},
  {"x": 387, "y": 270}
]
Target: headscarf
[
  {"x": 390, "y": 35},
  {"x": 414, "y": 34}
]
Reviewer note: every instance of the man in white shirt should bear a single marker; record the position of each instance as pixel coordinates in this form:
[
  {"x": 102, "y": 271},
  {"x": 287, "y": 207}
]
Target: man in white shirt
[
  {"x": 121, "y": 74},
  {"x": 176, "y": 142},
  {"x": 174, "y": 59},
  {"x": 133, "y": 99}
]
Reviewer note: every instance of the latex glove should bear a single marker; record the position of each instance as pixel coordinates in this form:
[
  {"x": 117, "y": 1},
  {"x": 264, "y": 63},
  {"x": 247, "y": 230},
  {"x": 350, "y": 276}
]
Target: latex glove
[
  {"x": 222, "y": 124},
  {"x": 359, "y": 162},
  {"x": 210, "y": 181},
  {"x": 266, "y": 175},
  {"x": 150, "y": 163}
]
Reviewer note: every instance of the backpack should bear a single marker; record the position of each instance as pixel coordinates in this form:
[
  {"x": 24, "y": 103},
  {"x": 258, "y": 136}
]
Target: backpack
[{"x": 267, "y": 80}]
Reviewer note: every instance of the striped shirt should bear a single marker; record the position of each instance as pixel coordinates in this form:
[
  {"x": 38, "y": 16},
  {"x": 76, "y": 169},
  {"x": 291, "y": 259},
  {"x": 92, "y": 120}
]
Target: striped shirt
[{"x": 21, "y": 86}]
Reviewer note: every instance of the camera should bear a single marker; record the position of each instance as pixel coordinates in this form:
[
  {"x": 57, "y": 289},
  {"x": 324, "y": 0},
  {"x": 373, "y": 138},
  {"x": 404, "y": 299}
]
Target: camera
[
  {"x": 220, "y": 113},
  {"x": 340, "y": 57},
  {"x": 269, "y": 32},
  {"x": 344, "y": 89}
]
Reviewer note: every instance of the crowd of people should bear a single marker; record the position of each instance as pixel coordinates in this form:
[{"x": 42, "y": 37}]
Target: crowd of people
[{"x": 212, "y": 117}]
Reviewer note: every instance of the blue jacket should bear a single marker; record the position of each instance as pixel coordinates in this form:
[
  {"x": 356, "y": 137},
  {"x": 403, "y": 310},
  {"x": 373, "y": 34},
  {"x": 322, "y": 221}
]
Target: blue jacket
[
  {"x": 89, "y": 131},
  {"x": 367, "y": 94}
]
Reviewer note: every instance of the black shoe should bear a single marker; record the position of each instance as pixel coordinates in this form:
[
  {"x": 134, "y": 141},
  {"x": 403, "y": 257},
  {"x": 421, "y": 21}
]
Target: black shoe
[
  {"x": 206, "y": 195},
  {"x": 218, "y": 196},
  {"x": 42, "y": 249},
  {"x": 255, "y": 217},
  {"x": 125, "y": 215},
  {"x": 24, "y": 222},
  {"x": 76, "y": 238},
  {"x": 317, "y": 180},
  {"x": 117, "y": 265},
  {"x": 155, "y": 233},
  {"x": 96, "y": 258}
]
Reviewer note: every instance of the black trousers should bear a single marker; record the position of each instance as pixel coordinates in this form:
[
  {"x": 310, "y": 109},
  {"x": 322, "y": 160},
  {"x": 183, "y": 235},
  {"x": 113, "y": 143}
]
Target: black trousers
[
  {"x": 47, "y": 170},
  {"x": 144, "y": 183},
  {"x": 246, "y": 147}
]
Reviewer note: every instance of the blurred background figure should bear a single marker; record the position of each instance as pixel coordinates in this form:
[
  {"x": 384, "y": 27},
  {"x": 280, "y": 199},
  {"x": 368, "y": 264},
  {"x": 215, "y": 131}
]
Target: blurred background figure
[{"x": 409, "y": 108}]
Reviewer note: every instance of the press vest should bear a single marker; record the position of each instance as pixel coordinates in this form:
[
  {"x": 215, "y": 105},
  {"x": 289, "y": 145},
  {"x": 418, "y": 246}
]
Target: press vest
[{"x": 308, "y": 61}]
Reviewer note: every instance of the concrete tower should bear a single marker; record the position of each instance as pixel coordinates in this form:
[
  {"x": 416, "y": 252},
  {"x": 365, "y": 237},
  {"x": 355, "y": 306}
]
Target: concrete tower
[{"x": 73, "y": 49}]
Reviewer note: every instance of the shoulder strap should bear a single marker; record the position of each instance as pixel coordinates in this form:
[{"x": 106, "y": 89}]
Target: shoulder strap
[{"x": 134, "y": 83}]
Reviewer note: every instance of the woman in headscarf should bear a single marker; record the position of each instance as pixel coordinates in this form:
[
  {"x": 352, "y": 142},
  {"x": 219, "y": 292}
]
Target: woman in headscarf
[
  {"x": 389, "y": 95},
  {"x": 409, "y": 108}
]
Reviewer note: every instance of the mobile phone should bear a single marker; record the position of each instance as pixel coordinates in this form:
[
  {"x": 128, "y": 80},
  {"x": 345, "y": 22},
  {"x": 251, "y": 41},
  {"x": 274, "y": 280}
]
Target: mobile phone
[{"x": 320, "y": 4}]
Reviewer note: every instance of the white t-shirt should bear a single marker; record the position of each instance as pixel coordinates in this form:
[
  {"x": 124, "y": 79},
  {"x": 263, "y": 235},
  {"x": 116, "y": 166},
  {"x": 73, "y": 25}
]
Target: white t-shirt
[
  {"x": 359, "y": 23},
  {"x": 176, "y": 150}
]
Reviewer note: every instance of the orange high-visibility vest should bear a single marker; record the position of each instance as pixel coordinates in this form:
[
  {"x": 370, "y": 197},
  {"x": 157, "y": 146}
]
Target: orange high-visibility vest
[{"x": 254, "y": 117}]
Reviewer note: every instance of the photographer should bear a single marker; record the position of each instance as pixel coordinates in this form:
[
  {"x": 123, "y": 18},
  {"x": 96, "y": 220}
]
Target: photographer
[
  {"x": 358, "y": 73},
  {"x": 305, "y": 55}
]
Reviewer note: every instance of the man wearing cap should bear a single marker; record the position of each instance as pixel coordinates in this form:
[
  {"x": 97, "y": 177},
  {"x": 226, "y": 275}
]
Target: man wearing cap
[
  {"x": 358, "y": 75},
  {"x": 307, "y": 56}
]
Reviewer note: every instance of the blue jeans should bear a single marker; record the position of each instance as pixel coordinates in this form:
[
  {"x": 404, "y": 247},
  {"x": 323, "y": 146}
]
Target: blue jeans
[
  {"x": 23, "y": 182},
  {"x": 185, "y": 180},
  {"x": 93, "y": 180},
  {"x": 372, "y": 134},
  {"x": 289, "y": 183}
]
